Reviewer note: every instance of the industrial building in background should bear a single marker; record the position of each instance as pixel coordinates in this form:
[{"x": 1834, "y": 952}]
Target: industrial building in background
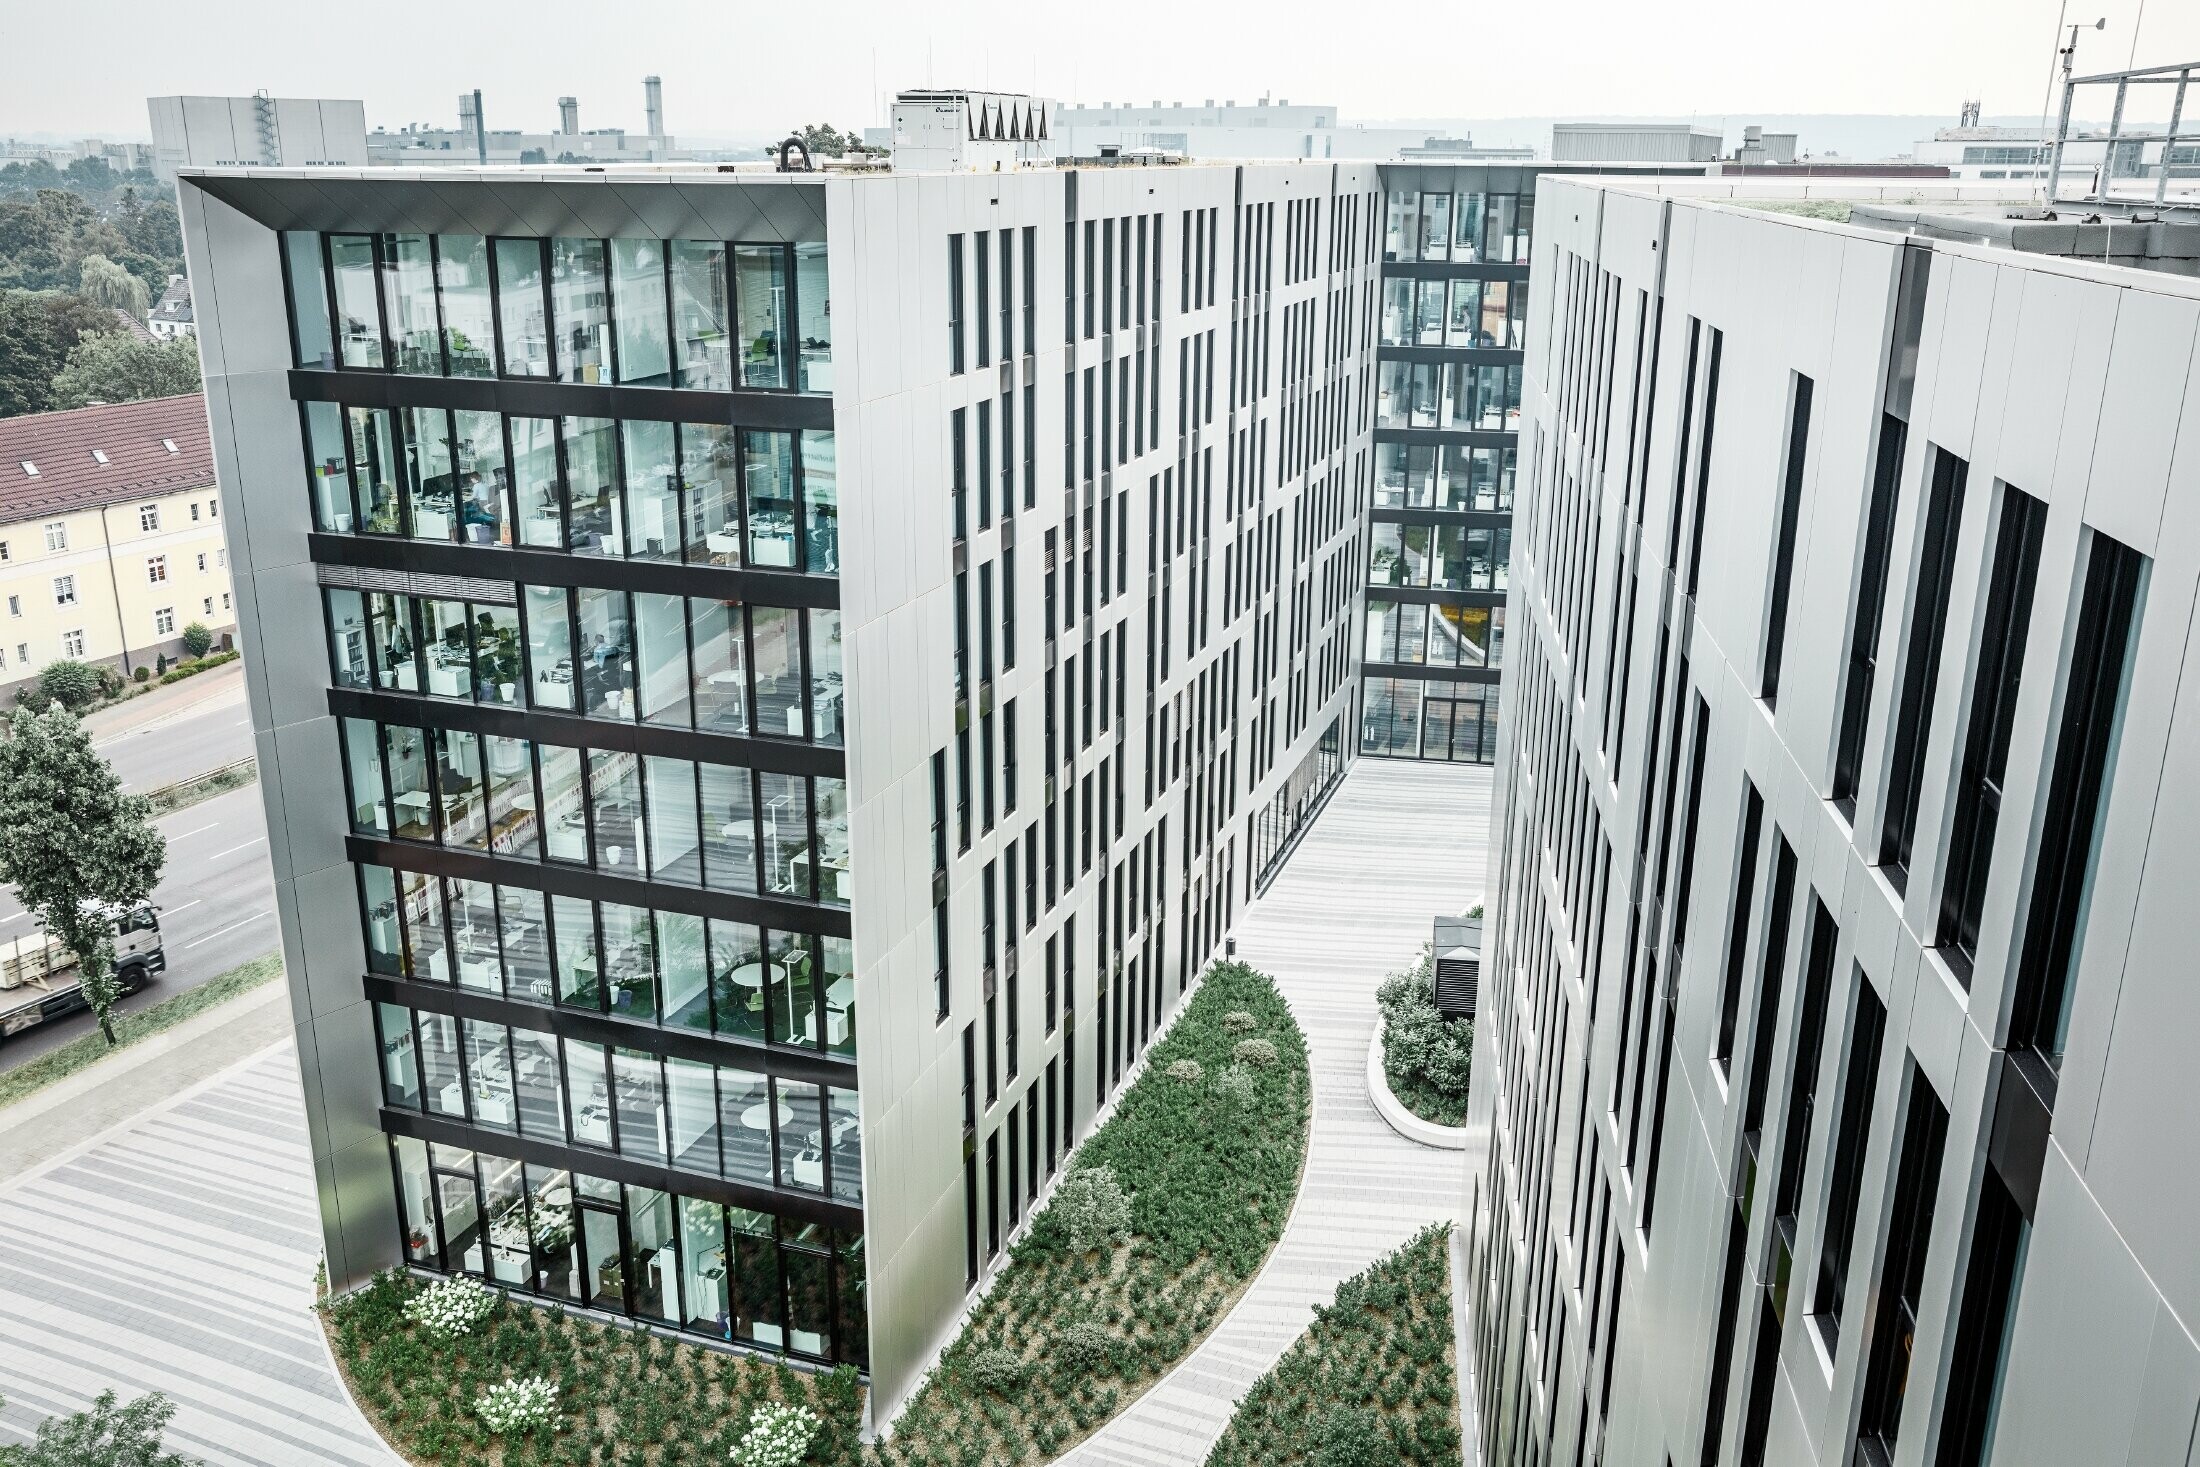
[
  {"x": 257, "y": 131},
  {"x": 473, "y": 141},
  {"x": 1834, "y": 1036},
  {"x": 1259, "y": 129}
]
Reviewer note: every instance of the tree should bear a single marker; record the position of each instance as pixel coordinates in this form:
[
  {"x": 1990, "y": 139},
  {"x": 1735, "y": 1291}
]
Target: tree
[
  {"x": 75, "y": 846},
  {"x": 116, "y": 367},
  {"x": 29, "y": 354},
  {"x": 105, "y": 1436},
  {"x": 820, "y": 140},
  {"x": 197, "y": 640},
  {"x": 72, "y": 318},
  {"x": 107, "y": 284}
]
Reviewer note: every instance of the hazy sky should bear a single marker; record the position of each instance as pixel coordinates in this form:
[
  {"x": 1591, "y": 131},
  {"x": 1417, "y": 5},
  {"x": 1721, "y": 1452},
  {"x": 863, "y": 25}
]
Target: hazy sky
[{"x": 749, "y": 69}]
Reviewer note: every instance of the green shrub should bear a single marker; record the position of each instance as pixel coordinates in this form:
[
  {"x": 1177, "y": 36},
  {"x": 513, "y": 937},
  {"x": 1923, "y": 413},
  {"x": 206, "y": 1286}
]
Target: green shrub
[
  {"x": 997, "y": 1369},
  {"x": 143, "y": 674},
  {"x": 1172, "y": 1207},
  {"x": 1091, "y": 1209},
  {"x": 1237, "y": 1085},
  {"x": 1427, "y": 1058},
  {"x": 197, "y": 640},
  {"x": 71, "y": 684},
  {"x": 1372, "y": 1381}
]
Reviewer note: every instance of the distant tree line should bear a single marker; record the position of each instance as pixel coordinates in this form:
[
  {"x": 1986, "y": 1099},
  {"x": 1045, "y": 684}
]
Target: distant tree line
[{"x": 77, "y": 245}]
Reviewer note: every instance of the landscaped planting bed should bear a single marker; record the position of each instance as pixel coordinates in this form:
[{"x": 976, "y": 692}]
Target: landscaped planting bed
[
  {"x": 1172, "y": 1208},
  {"x": 1427, "y": 1058},
  {"x": 1370, "y": 1384},
  {"x": 439, "y": 1378}
]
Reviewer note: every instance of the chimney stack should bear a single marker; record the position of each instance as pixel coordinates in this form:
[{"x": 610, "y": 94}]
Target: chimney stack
[
  {"x": 653, "y": 89},
  {"x": 569, "y": 115}
]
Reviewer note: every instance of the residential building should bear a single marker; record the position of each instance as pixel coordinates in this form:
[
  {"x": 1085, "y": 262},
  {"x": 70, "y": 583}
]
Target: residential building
[
  {"x": 110, "y": 537},
  {"x": 261, "y": 131},
  {"x": 1832, "y": 1044},
  {"x": 171, "y": 314},
  {"x": 803, "y": 671}
]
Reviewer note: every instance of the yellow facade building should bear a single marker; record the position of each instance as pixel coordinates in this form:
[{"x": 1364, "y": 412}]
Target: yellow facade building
[{"x": 110, "y": 537}]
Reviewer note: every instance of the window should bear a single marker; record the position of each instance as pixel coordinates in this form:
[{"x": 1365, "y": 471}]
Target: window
[
  {"x": 1902, "y": 1276},
  {"x": 57, "y": 535},
  {"x": 156, "y": 569},
  {"x": 64, "y": 590},
  {"x": 164, "y": 621},
  {"x": 15, "y": 606},
  {"x": 2085, "y": 740},
  {"x": 1921, "y": 664},
  {"x": 4, "y": 556},
  {"x": 2016, "y": 563},
  {"x": 1791, "y": 515},
  {"x": 1870, "y": 609},
  {"x": 1991, "y": 1281},
  {"x": 209, "y": 604},
  {"x": 194, "y": 507},
  {"x": 955, "y": 302},
  {"x": 148, "y": 514},
  {"x": 1745, "y": 887},
  {"x": 202, "y": 563},
  {"x": 72, "y": 643},
  {"x": 1851, "y": 1136}
]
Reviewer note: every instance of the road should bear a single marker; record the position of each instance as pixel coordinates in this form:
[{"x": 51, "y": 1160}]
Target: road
[{"x": 218, "y": 899}]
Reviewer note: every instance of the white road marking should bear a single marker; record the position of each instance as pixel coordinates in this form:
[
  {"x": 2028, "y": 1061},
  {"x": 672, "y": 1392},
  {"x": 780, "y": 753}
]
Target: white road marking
[
  {"x": 171, "y": 911},
  {"x": 196, "y": 830},
  {"x": 19, "y": 916},
  {"x": 232, "y": 927},
  {"x": 256, "y": 840}
]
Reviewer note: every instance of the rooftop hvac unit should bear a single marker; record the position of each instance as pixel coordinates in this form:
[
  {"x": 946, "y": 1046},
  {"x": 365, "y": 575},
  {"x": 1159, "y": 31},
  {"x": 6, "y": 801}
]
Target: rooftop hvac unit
[{"x": 1458, "y": 961}]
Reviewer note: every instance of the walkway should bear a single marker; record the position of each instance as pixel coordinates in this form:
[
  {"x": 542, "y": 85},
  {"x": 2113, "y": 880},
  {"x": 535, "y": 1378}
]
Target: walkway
[
  {"x": 1398, "y": 844},
  {"x": 178, "y": 1254}
]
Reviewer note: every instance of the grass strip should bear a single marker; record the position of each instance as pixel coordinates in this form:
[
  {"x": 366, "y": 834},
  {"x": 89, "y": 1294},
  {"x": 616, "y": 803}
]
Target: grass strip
[
  {"x": 36, "y": 1074},
  {"x": 185, "y": 793},
  {"x": 1210, "y": 1145},
  {"x": 1372, "y": 1381}
]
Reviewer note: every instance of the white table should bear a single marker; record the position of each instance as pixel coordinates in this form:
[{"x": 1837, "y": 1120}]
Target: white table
[{"x": 757, "y": 1117}]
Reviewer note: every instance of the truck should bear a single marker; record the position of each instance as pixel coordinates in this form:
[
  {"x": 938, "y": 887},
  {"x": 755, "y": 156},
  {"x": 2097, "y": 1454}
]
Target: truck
[{"x": 39, "y": 977}]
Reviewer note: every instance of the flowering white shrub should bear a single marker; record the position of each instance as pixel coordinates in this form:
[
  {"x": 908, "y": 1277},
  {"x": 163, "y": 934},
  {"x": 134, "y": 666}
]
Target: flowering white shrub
[
  {"x": 778, "y": 1436},
  {"x": 518, "y": 1405},
  {"x": 1260, "y": 1052},
  {"x": 451, "y": 1308},
  {"x": 1237, "y": 1083},
  {"x": 1185, "y": 1069}
]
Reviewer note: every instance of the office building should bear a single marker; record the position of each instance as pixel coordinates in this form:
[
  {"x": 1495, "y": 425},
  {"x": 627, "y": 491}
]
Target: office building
[
  {"x": 256, "y": 131},
  {"x": 1833, "y": 1045},
  {"x": 110, "y": 537},
  {"x": 769, "y": 688},
  {"x": 1447, "y": 420},
  {"x": 1259, "y": 129}
]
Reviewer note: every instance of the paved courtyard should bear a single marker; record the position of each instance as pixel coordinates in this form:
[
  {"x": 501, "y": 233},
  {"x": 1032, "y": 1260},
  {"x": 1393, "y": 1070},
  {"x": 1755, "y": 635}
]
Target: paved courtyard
[
  {"x": 177, "y": 1253},
  {"x": 1399, "y": 844}
]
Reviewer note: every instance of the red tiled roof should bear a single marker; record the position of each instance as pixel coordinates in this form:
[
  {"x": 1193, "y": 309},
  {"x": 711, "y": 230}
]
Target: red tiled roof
[{"x": 134, "y": 436}]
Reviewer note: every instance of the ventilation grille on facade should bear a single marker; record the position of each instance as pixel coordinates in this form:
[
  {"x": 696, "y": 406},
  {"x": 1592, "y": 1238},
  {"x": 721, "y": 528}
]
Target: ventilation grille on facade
[
  {"x": 414, "y": 583},
  {"x": 1457, "y": 949}
]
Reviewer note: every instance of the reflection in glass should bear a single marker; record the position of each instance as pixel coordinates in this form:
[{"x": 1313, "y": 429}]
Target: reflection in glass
[
  {"x": 702, "y": 338},
  {"x": 489, "y": 1076},
  {"x": 549, "y": 647},
  {"x": 328, "y": 472},
  {"x": 591, "y": 486},
  {"x": 729, "y": 828},
  {"x": 580, "y": 976},
  {"x": 660, "y": 624},
  {"x": 363, "y": 759},
  {"x": 721, "y": 655},
  {"x": 760, "y": 291},
  {"x": 745, "y": 1124},
  {"x": 526, "y": 943},
  {"x": 640, "y": 1089},
  {"x": 801, "y": 1139},
  {"x": 820, "y": 504},
  {"x": 607, "y": 654},
  {"x": 767, "y": 479},
  {"x": 465, "y": 806},
  {"x": 405, "y": 756},
  {"x": 737, "y": 978},
  {"x": 564, "y": 808},
  {"x": 431, "y": 481},
  {"x": 400, "y": 1064},
  {"x": 776, "y": 632},
  {"x": 825, "y": 676},
  {"x": 537, "y": 490},
  {"x": 378, "y": 911},
  {"x": 420, "y": 904},
  {"x": 469, "y": 330},
  {"x": 844, "y": 1116},
  {"x": 315, "y": 344},
  {"x": 652, "y": 491},
  {"x": 638, "y": 300},
  {"x": 629, "y": 959},
  {"x": 680, "y": 956},
  {"x": 513, "y": 830},
  {"x": 813, "y": 290},
  {"x": 439, "y": 1065},
  {"x": 375, "y": 469},
  {"x": 480, "y": 479},
  {"x": 675, "y": 847},
  {"x": 348, "y": 637},
  {"x": 703, "y": 1260},
  {"x": 588, "y": 1094},
  {"x": 707, "y": 476},
  {"x": 408, "y": 301},
  {"x": 522, "y": 311},
  {"x": 358, "y": 313},
  {"x": 784, "y": 807},
  {"x": 537, "y": 1083}
]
